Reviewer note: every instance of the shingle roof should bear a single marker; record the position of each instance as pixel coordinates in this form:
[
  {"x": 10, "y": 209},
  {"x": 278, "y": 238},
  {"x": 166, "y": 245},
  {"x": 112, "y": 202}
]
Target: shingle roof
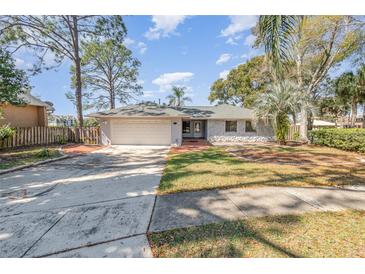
[
  {"x": 223, "y": 111},
  {"x": 139, "y": 110},
  {"x": 29, "y": 99}
]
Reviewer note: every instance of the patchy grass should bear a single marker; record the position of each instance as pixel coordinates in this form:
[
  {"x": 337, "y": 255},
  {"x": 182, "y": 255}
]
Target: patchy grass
[
  {"x": 326, "y": 234},
  {"x": 261, "y": 165},
  {"x": 17, "y": 157}
]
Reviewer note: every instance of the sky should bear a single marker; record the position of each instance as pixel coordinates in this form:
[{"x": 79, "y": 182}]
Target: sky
[{"x": 192, "y": 51}]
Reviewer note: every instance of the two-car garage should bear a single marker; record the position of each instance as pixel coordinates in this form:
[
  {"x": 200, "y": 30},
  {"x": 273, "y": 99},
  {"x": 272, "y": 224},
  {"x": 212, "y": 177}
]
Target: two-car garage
[{"x": 140, "y": 131}]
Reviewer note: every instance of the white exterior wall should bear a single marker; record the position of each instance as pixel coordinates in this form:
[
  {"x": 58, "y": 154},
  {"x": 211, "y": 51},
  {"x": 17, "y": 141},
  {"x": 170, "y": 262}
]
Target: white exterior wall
[
  {"x": 106, "y": 130},
  {"x": 217, "y": 129},
  {"x": 176, "y": 132}
]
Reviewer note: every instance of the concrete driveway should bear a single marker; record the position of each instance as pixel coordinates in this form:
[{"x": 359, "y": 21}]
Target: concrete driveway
[{"x": 98, "y": 205}]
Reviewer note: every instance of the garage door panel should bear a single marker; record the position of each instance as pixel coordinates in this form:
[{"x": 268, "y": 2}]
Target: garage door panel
[{"x": 141, "y": 132}]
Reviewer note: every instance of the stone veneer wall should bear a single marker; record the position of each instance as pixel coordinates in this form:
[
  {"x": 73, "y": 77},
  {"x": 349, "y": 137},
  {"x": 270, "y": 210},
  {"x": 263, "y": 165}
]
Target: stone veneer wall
[{"x": 216, "y": 132}]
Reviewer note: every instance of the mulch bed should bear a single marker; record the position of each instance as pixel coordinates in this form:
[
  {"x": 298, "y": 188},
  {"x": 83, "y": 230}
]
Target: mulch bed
[
  {"x": 79, "y": 148},
  {"x": 257, "y": 154}
]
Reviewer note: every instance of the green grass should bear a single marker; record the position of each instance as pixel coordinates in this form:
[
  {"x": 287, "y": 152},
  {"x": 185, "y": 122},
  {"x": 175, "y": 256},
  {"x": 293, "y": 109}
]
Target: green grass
[
  {"x": 17, "y": 157},
  {"x": 326, "y": 234},
  {"x": 273, "y": 166}
]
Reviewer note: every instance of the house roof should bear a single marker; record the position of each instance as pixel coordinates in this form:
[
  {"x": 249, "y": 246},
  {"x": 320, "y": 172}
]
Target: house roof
[
  {"x": 29, "y": 99},
  {"x": 223, "y": 111}
]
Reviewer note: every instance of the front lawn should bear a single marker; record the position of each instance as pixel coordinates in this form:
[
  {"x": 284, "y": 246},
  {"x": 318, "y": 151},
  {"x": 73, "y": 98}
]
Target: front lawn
[
  {"x": 261, "y": 165},
  {"x": 17, "y": 157},
  {"x": 325, "y": 234}
]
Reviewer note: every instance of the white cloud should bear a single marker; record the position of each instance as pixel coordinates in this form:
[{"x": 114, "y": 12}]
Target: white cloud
[
  {"x": 239, "y": 24},
  {"x": 231, "y": 41},
  {"x": 148, "y": 93},
  {"x": 128, "y": 42},
  {"x": 166, "y": 80},
  {"x": 19, "y": 62},
  {"x": 250, "y": 40},
  {"x": 142, "y": 47},
  {"x": 224, "y": 58},
  {"x": 164, "y": 25},
  {"x": 49, "y": 59},
  {"x": 251, "y": 53},
  {"x": 224, "y": 74}
]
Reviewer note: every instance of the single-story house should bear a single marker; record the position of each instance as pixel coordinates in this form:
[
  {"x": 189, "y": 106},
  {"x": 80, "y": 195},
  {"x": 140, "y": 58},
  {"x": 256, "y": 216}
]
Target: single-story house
[
  {"x": 30, "y": 114},
  {"x": 321, "y": 123},
  {"x": 154, "y": 124}
]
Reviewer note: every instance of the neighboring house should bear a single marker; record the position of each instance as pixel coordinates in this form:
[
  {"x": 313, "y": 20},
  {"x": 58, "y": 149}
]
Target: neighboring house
[
  {"x": 62, "y": 121},
  {"x": 346, "y": 122},
  {"x": 153, "y": 124},
  {"x": 321, "y": 123},
  {"x": 32, "y": 113}
]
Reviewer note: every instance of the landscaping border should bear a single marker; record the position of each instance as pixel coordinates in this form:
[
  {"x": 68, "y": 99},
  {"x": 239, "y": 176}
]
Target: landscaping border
[{"x": 9, "y": 170}]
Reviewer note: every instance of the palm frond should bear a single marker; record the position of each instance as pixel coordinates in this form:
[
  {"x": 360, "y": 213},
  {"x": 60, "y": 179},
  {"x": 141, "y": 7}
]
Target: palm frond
[{"x": 277, "y": 35}]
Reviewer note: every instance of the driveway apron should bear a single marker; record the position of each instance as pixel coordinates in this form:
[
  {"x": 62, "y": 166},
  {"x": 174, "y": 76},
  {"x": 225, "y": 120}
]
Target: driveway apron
[{"x": 98, "y": 205}]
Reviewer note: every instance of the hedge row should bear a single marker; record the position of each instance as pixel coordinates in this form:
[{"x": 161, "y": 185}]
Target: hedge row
[{"x": 352, "y": 139}]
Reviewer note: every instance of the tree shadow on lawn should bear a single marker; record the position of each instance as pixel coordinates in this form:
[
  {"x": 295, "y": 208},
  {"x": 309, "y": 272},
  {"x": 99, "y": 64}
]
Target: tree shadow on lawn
[
  {"x": 233, "y": 231},
  {"x": 220, "y": 236},
  {"x": 308, "y": 173}
]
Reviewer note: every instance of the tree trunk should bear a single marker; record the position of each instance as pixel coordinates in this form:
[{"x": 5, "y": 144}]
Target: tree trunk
[
  {"x": 77, "y": 61},
  {"x": 363, "y": 116},
  {"x": 112, "y": 100},
  {"x": 303, "y": 132},
  {"x": 310, "y": 121},
  {"x": 353, "y": 113}
]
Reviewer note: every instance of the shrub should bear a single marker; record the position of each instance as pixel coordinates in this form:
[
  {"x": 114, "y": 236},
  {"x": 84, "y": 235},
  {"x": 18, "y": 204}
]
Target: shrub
[
  {"x": 62, "y": 140},
  {"x": 43, "y": 153},
  {"x": 352, "y": 139},
  {"x": 296, "y": 136},
  {"x": 281, "y": 127},
  {"x": 6, "y": 131}
]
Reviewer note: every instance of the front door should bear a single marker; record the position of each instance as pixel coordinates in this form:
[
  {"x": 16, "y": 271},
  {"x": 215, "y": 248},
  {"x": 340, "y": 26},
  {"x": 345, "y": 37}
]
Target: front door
[{"x": 198, "y": 129}]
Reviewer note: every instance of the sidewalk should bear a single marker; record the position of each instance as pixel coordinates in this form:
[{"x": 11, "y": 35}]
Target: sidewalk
[{"x": 204, "y": 207}]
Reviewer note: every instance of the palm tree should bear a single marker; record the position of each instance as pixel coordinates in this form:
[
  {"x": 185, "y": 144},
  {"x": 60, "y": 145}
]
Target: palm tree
[
  {"x": 351, "y": 89},
  {"x": 276, "y": 33},
  {"x": 178, "y": 98},
  {"x": 276, "y": 104},
  {"x": 361, "y": 86}
]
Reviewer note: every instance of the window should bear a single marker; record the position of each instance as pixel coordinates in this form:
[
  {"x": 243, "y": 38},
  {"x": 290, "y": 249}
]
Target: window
[
  {"x": 186, "y": 127},
  {"x": 249, "y": 127},
  {"x": 231, "y": 126}
]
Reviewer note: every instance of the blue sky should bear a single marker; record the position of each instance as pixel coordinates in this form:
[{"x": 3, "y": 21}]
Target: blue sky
[
  {"x": 192, "y": 51},
  {"x": 174, "y": 50}
]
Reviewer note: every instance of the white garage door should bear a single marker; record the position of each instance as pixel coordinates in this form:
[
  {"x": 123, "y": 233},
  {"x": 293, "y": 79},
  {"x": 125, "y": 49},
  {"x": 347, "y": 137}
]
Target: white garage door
[{"x": 141, "y": 132}]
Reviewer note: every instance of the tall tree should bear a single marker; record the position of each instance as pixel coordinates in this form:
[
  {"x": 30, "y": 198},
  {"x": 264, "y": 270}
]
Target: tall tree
[
  {"x": 361, "y": 86},
  {"x": 61, "y": 36},
  {"x": 243, "y": 83},
  {"x": 280, "y": 100},
  {"x": 333, "y": 108},
  {"x": 349, "y": 88},
  {"x": 178, "y": 98},
  {"x": 13, "y": 81},
  {"x": 110, "y": 71},
  {"x": 320, "y": 42},
  {"x": 277, "y": 33}
]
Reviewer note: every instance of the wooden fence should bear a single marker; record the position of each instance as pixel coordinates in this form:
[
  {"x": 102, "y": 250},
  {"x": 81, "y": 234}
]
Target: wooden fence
[
  {"x": 293, "y": 133},
  {"x": 32, "y": 136}
]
